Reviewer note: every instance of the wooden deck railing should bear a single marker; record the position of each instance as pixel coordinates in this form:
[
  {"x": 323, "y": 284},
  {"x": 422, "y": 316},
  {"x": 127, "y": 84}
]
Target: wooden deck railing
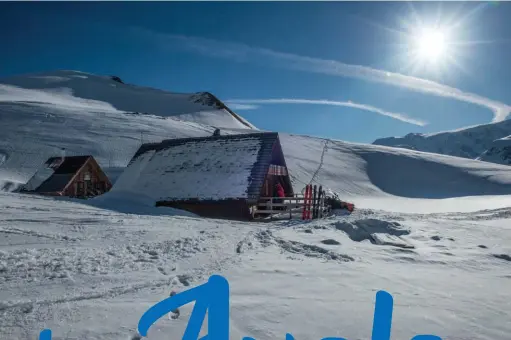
[{"x": 289, "y": 206}]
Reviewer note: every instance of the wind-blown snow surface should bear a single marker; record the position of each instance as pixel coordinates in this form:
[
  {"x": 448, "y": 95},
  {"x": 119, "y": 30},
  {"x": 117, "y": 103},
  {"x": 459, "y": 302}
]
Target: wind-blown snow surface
[
  {"x": 467, "y": 143},
  {"x": 90, "y": 273}
]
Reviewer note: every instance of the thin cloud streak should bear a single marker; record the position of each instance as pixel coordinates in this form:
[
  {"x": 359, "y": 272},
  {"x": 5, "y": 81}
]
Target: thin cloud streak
[
  {"x": 244, "y": 53},
  {"x": 398, "y": 116},
  {"x": 240, "y": 107}
]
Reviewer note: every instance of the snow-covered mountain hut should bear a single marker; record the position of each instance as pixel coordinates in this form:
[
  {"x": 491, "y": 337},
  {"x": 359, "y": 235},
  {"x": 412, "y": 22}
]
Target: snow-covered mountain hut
[
  {"x": 217, "y": 176},
  {"x": 73, "y": 176}
]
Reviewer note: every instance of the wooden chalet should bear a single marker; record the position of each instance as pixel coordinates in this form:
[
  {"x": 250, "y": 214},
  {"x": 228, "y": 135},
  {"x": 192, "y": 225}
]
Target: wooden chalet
[
  {"x": 221, "y": 176},
  {"x": 72, "y": 176}
]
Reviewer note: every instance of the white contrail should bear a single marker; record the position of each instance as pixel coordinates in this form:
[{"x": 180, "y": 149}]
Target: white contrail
[
  {"x": 245, "y": 53},
  {"x": 239, "y": 106},
  {"x": 398, "y": 116}
]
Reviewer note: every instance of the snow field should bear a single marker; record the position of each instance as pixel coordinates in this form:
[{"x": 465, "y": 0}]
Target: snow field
[{"x": 91, "y": 272}]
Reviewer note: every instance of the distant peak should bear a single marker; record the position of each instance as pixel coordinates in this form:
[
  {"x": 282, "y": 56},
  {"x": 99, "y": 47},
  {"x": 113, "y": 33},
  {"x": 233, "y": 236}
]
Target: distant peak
[
  {"x": 206, "y": 98},
  {"x": 414, "y": 135},
  {"x": 117, "y": 79}
]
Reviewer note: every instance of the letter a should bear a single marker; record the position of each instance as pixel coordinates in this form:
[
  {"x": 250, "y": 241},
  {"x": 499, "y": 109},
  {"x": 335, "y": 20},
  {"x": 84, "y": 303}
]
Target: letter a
[{"x": 212, "y": 296}]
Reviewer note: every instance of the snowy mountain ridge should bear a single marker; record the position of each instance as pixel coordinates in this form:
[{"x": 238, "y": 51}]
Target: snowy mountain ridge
[
  {"x": 127, "y": 97},
  {"x": 471, "y": 142}
]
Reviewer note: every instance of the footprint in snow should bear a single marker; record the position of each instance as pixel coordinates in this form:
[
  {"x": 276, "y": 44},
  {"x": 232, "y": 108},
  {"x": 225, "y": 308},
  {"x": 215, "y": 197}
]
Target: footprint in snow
[
  {"x": 502, "y": 257},
  {"x": 331, "y": 242},
  {"x": 175, "y": 313}
]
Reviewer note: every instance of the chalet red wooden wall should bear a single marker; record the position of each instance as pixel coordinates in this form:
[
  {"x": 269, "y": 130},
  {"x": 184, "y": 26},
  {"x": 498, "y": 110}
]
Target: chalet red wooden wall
[{"x": 88, "y": 181}]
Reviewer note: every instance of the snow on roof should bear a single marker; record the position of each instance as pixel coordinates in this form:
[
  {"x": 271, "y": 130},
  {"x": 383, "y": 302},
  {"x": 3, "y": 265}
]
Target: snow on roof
[
  {"x": 41, "y": 175},
  {"x": 208, "y": 168},
  {"x": 55, "y": 173}
]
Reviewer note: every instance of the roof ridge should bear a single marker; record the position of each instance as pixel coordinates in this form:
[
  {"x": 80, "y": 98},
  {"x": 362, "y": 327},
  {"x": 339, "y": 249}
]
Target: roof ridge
[
  {"x": 166, "y": 143},
  {"x": 255, "y": 134}
]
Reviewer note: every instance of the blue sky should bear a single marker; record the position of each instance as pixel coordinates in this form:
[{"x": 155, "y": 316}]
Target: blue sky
[{"x": 331, "y": 69}]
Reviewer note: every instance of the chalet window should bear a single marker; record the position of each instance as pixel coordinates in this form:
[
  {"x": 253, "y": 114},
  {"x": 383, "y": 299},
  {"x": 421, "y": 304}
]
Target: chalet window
[{"x": 86, "y": 176}]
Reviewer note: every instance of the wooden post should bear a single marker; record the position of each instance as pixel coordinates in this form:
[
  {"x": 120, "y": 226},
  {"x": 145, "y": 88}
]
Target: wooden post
[
  {"x": 304, "y": 203},
  {"x": 271, "y": 208},
  {"x": 322, "y": 204},
  {"x": 314, "y": 196},
  {"x": 320, "y": 197},
  {"x": 309, "y": 201}
]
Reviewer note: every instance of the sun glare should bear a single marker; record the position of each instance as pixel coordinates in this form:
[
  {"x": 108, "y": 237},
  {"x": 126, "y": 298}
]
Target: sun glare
[{"x": 431, "y": 45}]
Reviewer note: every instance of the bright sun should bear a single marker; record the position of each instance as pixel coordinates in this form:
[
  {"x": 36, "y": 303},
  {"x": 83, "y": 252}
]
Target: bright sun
[{"x": 431, "y": 45}]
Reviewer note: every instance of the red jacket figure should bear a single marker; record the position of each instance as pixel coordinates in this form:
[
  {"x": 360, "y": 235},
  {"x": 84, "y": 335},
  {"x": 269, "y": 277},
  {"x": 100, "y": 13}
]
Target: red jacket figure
[{"x": 280, "y": 190}]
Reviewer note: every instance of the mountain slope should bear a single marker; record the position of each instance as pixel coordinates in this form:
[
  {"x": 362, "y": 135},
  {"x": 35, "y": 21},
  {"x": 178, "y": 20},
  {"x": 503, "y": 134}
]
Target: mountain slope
[
  {"x": 396, "y": 179},
  {"x": 499, "y": 152},
  {"x": 200, "y": 107},
  {"x": 467, "y": 143},
  {"x": 84, "y": 114}
]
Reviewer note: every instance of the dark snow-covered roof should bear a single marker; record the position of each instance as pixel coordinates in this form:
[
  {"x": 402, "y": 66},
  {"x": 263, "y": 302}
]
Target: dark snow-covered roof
[
  {"x": 56, "y": 173},
  {"x": 69, "y": 164},
  {"x": 206, "y": 168}
]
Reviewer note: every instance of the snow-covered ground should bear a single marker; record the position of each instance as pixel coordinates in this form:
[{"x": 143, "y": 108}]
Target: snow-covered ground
[
  {"x": 400, "y": 180},
  {"x": 89, "y": 270},
  {"x": 90, "y": 273},
  {"x": 432, "y": 230}
]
